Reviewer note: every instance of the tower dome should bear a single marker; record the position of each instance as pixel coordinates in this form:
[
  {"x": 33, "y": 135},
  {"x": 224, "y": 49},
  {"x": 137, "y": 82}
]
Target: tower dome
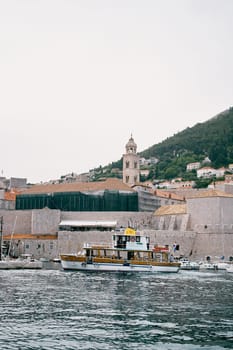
[{"x": 131, "y": 146}]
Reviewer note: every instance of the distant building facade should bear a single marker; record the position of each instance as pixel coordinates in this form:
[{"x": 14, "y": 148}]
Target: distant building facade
[
  {"x": 193, "y": 166},
  {"x": 208, "y": 172}
]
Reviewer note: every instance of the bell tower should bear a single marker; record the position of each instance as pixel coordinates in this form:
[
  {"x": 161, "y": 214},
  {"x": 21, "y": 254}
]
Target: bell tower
[{"x": 130, "y": 163}]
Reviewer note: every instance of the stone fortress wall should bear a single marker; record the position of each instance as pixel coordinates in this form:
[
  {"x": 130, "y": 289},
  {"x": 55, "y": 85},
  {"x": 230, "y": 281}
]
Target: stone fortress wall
[{"x": 204, "y": 230}]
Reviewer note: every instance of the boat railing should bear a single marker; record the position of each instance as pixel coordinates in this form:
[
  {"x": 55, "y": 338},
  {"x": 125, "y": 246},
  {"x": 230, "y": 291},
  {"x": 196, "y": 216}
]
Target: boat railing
[{"x": 96, "y": 245}]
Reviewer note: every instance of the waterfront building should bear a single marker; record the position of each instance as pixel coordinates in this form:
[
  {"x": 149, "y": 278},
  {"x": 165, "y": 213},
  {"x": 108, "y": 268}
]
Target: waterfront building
[
  {"x": 58, "y": 218},
  {"x": 109, "y": 195}
]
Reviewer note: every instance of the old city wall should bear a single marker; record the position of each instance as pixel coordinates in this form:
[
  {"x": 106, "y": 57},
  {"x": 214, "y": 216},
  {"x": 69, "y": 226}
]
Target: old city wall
[
  {"x": 72, "y": 242},
  {"x": 162, "y": 230},
  {"x": 211, "y": 215},
  {"x": 16, "y": 221},
  {"x": 44, "y": 221},
  {"x": 124, "y": 219},
  {"x": 195, "y": 246}
]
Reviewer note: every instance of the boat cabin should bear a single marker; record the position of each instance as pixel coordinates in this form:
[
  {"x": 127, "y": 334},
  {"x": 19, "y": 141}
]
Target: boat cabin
[
  {"x": 126, "y": 248},
  {"x": 131, "y": 242}
]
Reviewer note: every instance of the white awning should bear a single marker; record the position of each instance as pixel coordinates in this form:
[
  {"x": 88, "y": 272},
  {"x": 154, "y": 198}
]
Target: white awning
[{"x": 87, "y": 223}]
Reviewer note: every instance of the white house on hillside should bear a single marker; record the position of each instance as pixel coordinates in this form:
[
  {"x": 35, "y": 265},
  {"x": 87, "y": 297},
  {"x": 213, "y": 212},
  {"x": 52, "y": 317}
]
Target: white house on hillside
[
  {"x": 192, "y": 166},
  {"x": 208, "y": 172}
]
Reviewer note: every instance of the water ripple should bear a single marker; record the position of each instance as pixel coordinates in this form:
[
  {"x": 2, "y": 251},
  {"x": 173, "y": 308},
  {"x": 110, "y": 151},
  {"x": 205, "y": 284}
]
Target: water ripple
[{"x": 53, "y": 309}]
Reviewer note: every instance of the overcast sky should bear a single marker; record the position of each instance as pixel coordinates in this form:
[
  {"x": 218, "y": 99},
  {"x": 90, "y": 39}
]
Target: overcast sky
[{"x": 77, "y": 77}]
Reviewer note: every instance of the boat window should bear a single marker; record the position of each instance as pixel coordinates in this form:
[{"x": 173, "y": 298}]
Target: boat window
[
  {"x": 137, "y": 238},
  {"x": 128, "y": 238}
]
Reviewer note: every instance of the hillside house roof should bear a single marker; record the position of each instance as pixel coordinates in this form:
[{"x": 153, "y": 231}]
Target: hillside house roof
[{"x": 109, "y": 184}]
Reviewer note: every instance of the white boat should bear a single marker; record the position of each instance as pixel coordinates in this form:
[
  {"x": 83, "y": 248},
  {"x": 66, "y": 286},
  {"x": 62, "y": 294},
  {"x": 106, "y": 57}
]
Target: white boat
[
  {"x": 222, "y": 265},
  {"x": 129, "y": 252},
  {"x": 186, "y": 264},
  {"x": 208, "y": 266},
  {"x": 230, "y": 268},
  {"x": 43, "y": 259},
  {"x": 23, "y": 262}
]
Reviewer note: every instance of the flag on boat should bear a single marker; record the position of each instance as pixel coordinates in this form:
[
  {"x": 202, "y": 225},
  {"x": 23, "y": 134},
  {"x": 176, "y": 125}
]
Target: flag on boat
[{"x": 130, "y": 231}]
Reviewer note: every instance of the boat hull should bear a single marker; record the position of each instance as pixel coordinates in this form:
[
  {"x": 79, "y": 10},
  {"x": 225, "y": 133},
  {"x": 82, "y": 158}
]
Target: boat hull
[
  {"x": 73, "y": 264},
  {"x": 230, "y": 269},
  {"x": 16, "y": 265}
]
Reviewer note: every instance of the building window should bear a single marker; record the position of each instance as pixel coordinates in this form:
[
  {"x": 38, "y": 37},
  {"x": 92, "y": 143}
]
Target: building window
[
  {"x": 27, "y": 246},
  {"x": 135, "y": 165},
  {"x": 127, "y": 179},
  {"x": 127, "y": 164}
]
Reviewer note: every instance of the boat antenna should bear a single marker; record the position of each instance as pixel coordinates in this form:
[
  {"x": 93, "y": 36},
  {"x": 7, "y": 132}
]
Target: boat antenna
[{"x": 1, "y": 227}]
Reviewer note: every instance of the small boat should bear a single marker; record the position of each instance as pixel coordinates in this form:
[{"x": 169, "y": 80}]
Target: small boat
[
  {"x": 230, "y": 268},
  {"x": 43, "y": 259},
  {"x": 25, "y": 261},
  {"x": 129, "y": 252},
  {"x": 186, "y": 264},
  {"x": 208, "y": 266},
  {"x": 222, "y": 265}
]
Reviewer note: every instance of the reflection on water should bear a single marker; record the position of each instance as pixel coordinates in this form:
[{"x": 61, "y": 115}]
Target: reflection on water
[{"x": 53, "y": 309}]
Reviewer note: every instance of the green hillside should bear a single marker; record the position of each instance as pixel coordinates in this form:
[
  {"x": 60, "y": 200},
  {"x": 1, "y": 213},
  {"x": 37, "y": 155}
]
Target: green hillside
[{"x": 212, "y": 139}]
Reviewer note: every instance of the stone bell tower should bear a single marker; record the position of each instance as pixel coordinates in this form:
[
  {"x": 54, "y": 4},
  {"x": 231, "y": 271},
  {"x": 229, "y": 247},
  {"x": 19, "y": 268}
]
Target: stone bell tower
[{"x": 130, "y": 163}]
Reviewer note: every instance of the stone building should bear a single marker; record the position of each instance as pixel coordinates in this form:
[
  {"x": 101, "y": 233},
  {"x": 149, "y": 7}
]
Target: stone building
[
  {"x": 51, "y": 219},
  {"x": 201, "y": 227},
  {"x": 109, "y": 195}
]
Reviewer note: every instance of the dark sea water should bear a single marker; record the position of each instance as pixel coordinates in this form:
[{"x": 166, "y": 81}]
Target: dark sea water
[{"x": 53, "y": 309}]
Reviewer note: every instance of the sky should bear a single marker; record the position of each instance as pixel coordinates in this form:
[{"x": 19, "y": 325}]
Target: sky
[{"x": 78, "y": 77}]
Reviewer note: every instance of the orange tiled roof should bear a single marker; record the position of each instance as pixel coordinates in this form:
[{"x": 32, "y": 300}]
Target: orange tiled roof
[
  {"x": 171, "y": 209},
  {"x": 170, "y": 195},
  {"x": 211, "y": 193},
  {"x": 109, "y": 184},
  {"x": 11, "y": 195},
  {"x": 18, "y": 236}
]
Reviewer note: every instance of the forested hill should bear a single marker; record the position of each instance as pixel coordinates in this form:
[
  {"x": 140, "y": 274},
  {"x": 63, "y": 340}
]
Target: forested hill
[{"x": 212, "y": 139}]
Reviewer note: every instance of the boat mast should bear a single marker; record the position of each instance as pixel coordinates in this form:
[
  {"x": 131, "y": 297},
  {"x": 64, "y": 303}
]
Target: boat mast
[
  {"x": 12, "y": 235},
  {"x": 1, "y": 226}
]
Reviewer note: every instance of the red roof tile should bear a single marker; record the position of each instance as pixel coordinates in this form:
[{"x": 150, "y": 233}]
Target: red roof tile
[{"x": 109, "y": 184}]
